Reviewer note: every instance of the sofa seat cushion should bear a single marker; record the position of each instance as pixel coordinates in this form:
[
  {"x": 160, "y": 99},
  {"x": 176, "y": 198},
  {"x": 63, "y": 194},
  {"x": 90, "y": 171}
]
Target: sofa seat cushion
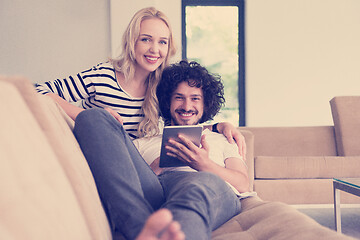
[
  {"x": 300, "y": 191},
  {"x": 272, "y": 220},
  {"x": 267, "y": 167}
]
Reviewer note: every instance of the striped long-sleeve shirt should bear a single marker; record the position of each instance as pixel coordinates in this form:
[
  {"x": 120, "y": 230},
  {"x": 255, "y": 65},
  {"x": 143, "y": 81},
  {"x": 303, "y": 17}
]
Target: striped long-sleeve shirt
[{"x": 98, "y": 87}]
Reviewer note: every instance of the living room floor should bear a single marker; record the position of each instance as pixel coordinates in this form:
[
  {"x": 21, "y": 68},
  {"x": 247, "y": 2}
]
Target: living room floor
[{"x": 324, "y": 214}]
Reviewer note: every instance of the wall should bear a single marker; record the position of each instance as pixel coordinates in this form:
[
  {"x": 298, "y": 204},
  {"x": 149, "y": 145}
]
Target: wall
[
  {"x": 122, "y": 12},
  {"x": 299, "y": 53},
  {"x": 48, "y": 39}
]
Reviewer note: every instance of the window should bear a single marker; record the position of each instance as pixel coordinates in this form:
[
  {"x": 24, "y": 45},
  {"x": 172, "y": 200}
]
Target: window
[{"x": 213, "y": 35}]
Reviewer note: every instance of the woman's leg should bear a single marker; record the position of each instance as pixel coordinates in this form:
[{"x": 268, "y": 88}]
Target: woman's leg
[
  {"x": 199, "y": 201},
  {"x": 127, "y": 186}
]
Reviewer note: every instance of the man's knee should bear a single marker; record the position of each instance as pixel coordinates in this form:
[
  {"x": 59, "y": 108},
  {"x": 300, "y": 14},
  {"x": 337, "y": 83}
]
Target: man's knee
[
  {"x": 91, "y": 114},
  {"x": 95, "y": 119}
]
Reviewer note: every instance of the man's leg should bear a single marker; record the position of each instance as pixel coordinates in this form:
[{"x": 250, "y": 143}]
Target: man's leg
[
  {"x": 199, "y": 201},
  {"x": 127, "y": 186}
]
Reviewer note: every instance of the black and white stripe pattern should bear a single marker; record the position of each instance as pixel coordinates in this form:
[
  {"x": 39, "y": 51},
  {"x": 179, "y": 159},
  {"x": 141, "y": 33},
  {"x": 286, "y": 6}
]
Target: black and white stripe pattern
[{"x": 98, "y": 87}]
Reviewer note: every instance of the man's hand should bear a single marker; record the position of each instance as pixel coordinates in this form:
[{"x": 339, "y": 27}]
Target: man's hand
[
  {"x": 232, "y": 133},
  {"x": 185, "y": 150},
  {"x": 115, "y": 115},
  {"x": 155, "y": 166}
]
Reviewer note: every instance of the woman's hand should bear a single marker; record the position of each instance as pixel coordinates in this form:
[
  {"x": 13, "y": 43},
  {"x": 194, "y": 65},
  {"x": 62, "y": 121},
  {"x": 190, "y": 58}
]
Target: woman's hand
[
  {"x": 232, "y": 133},
  {"x": 115, "y": 115}
]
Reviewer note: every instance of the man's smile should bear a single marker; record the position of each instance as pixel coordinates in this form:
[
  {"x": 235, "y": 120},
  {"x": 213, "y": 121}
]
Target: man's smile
[{"x": 186, "y": 114}]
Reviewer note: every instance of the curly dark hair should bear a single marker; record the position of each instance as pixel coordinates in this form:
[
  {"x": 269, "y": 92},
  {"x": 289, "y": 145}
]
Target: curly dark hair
[{"x": 196, "y": 76}]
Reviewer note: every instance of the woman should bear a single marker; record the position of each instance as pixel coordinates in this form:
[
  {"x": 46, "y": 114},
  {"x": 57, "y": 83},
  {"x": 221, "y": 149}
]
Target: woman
[{"x": 126, "y": 86}]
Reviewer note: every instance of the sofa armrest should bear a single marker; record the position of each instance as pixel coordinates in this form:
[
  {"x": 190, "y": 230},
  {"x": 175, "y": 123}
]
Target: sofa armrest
[{"x": 346, "y": 117}]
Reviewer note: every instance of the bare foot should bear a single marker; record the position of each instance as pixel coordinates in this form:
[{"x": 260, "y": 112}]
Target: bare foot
[{"x": 160, "y": 226}]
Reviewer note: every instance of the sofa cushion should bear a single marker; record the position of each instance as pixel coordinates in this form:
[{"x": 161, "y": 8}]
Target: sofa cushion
[
  {"x": 306, "y": 167},
  {"x": 272, "y": 220},
  {"x": 294, "y": 141},
  {"x": 300, "y": 191},
  {"x": 346, "y": 117},
  {"x": 55, "y": 125},
  {"x": 37, "y": 200}
]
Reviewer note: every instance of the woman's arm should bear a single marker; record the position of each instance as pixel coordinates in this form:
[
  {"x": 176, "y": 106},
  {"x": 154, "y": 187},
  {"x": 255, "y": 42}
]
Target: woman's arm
[
  {"x": 76, "y": 87},
  {"x": 71, "y": 110},
  {"x": 231, "y": 133}
]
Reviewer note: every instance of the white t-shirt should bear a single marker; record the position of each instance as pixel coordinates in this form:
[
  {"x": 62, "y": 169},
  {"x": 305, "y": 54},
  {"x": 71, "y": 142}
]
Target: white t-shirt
[{"x": 220, "y": 150}]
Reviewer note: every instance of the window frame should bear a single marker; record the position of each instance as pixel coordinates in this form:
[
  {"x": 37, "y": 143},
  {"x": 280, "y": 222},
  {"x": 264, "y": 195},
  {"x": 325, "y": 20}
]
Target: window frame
[{"x": 240, "y": 4}]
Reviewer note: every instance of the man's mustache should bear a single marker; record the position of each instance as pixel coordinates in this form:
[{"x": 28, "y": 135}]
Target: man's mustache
[{"x": 183, "y": 111}]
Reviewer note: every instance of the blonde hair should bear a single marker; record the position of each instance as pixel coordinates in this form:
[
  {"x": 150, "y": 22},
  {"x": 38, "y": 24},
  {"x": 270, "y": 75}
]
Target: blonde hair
[{"x": 126, "y": 63}]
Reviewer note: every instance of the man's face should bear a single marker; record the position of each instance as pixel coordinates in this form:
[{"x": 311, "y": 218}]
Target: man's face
[{"x": 187, "y": 105}]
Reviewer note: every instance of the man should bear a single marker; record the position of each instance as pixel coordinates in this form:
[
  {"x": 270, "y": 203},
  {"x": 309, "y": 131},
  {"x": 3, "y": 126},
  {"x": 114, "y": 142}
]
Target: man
[{"x": 202, "y": 196}]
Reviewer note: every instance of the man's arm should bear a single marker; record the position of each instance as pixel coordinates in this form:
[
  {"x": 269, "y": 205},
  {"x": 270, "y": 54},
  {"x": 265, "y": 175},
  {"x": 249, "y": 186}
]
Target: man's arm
[{"x": 237, "y": 174}]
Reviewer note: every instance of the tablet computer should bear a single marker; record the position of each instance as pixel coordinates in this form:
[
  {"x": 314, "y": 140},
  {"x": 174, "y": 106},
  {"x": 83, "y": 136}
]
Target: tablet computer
[{"x": 193, "y": 132}]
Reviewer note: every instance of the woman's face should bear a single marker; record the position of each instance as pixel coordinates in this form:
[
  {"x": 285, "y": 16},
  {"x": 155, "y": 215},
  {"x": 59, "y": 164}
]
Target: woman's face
[{"x": 152, "y": 45}]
